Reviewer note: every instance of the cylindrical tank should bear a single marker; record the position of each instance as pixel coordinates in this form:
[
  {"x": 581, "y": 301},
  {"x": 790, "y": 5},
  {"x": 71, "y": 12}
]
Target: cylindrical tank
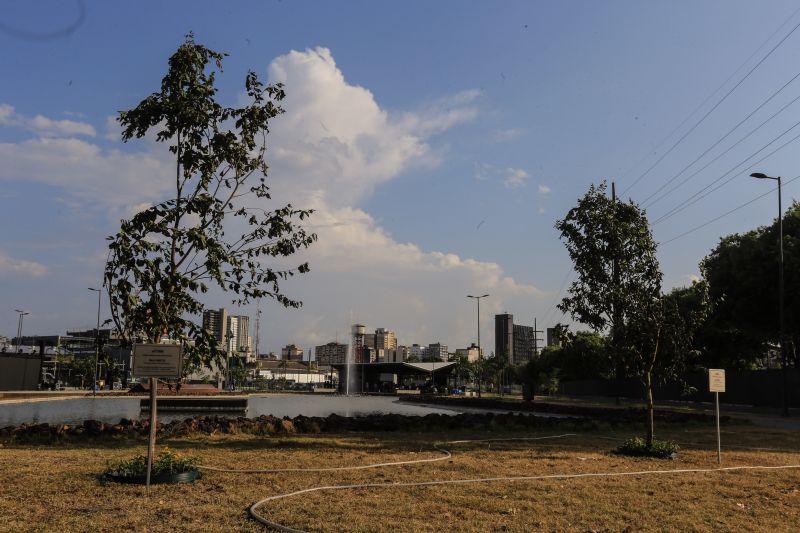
[{"x": 359, "y": 329}]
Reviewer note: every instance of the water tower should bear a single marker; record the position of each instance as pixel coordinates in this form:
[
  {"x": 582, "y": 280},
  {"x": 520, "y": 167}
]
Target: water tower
[{"x": 358, "y": 330}]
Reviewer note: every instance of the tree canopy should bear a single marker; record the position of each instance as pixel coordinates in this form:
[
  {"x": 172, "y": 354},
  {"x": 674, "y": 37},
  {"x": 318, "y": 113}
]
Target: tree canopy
[
  {"x": 598, "y": 232},
  {"x": 217, "y": 228},
  {"x": 742, "y": 276}
]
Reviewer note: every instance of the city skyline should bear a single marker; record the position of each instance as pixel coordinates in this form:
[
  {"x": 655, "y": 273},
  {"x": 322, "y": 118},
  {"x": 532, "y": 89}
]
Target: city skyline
[{"x": 463, "y": 154}]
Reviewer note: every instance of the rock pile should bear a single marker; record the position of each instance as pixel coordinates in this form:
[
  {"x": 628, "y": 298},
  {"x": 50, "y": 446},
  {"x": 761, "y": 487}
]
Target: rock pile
[{"x": 268, "y": 425}]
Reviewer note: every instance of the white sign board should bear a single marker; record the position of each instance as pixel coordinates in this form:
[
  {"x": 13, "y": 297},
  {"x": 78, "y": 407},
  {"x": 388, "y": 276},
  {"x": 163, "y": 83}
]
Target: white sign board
[
  {"x": 716, "y": 380},
  {"x": 157, "y": 360}
]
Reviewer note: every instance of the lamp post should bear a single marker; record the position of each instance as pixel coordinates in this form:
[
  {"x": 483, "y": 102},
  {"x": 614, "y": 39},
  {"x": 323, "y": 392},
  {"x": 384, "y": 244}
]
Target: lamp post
[
  {"x": 96, "y": 341},
  {"x": 761, "y": 176},
  {"x": 19, "y": 328},
  {"x": 480, "y": 352}
]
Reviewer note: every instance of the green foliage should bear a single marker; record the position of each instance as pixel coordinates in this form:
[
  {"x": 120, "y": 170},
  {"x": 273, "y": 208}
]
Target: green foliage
[
  {"x": 164, "y": 257},
  {"x": 595, "y": 232},
  {"x": 742, "y": 277},
  {"x": 619, "y": 288},
  {"x": 637, "y": 446},
  {"x": 549, "y": 381},
  {"x": 166, "y": 462}
]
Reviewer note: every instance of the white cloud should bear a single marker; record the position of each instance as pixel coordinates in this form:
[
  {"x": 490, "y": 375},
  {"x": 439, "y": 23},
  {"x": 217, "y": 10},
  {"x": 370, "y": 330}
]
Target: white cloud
[
  {"x": 334, "y": 137},
  {"x": 543, "y": 189},
  {"x": 329, "y": 151},
  {"x": 20, "y": 267},
  {"x": 502, "y": 136},
  {"x": 113, "y": 129},
  {"x": 97, "y": 176},
  {"x": 43, "y": 125},
  {"x": 541, "y": 211},
  {"x": 515, "y": 178}
]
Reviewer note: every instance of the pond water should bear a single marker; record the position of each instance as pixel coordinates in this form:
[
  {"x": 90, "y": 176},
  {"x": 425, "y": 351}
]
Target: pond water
[{"x": 76, "y": 410}]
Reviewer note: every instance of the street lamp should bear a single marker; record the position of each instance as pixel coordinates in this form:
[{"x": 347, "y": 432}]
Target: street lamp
[
  {"x": 96, "y": 341},
  {"x": 761, "y": 176},
  {"x": 19, "y": 328},
  {"x": 480, "y": 352}
]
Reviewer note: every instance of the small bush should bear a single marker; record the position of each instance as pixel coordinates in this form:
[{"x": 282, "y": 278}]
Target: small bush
[
  {"x": 166, "y": 462},
  {"x": 636, "y": 446}
]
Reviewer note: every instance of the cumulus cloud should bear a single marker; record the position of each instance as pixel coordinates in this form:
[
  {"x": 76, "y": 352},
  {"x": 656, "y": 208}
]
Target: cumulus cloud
[
  {"x": 43, "y": 125},
  {"x": 334, "y": 137},
  {"x": 515, "y": 178},
  {"x": 543, "y": 189},
  {"x": 334, "y": 145},
  {"x": 20, "y": 267}
]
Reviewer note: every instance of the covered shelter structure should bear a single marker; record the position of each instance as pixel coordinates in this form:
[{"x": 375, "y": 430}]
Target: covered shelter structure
[{"x": 388, "y": 377}]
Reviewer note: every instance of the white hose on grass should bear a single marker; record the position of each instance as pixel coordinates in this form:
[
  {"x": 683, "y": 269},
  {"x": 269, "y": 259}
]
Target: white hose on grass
[
  {"x": 280, "y": 527},
  {"x": 253, "y": 510},
  {"x": 436, "y": 445}
]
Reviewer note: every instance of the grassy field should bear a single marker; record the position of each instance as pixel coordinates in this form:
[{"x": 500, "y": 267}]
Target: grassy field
[{"x": 55, "y": 487}]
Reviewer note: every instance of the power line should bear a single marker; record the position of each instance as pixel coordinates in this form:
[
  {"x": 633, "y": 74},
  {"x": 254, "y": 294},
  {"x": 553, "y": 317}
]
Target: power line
[
  {"x": 701, "y": 226},
  {"x": 725, "y": 97},
  {"x": 698, "y": 158},
  {"x": 699, "y": 195},
  {"x": 734, "y": 145},
  {"x": 715, "y": 91},
  {"x": 552, "y": 305}
]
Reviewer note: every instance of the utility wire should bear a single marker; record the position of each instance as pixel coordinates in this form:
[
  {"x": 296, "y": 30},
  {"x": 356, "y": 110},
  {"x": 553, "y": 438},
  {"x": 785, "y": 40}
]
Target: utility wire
[
  {"x": 552, "y": 306},
  {"x": 714, "y": 92},
  {"x": 698, "y": 158},
  {"x": 702, "y": 193},
  {"x": 701, "y": 226},
  {"x": 734, "y": 145},
  {"x": 715, "y": 106}
]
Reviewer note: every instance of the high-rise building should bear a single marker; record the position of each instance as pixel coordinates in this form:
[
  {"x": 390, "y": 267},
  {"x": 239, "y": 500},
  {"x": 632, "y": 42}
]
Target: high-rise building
[
  {"x": 292, "y": 352},
  {"x": 385, "y": 339},
  {"x": 472, "y": 353},
  {"x": 332, "y": 353},
  {"x": 397, "y": 355},
  {"x": 554, "y": 335},
  {"x": 436, "y": 352},
  {"x": 216, "y": 321},
  {"x": 230, "y": 331},
  {"x": 417, "y": 352},
  {"x": 514, "y": 341}
]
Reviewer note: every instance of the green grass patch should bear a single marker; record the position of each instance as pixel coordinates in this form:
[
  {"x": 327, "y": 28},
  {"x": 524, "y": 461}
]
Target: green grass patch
[{"x": 637, "y": 447}]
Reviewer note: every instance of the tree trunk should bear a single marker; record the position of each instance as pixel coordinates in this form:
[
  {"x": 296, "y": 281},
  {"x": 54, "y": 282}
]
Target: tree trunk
[{"x": 648, "y": 377}]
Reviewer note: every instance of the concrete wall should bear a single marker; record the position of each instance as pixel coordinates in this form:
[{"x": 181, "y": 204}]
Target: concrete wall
[{"x": 20, "y": 372}]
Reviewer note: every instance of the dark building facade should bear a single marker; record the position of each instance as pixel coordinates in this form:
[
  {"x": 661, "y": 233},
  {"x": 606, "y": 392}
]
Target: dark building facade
[{"x": 515, "y": 341}]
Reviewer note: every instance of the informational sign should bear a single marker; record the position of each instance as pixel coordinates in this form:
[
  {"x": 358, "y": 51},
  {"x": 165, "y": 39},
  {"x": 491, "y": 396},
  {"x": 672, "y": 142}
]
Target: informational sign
[
  {"x": 157, "y": 361},
  {"x": 716, "y": 380}
]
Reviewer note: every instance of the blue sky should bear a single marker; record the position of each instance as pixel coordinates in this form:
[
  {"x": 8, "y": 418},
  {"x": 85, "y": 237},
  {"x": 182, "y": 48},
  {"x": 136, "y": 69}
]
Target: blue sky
[{"x": 471, "y": 127}]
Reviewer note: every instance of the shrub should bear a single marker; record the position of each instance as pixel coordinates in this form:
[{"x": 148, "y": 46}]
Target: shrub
[
  {"x": 166, "y": 462},
  {"x": 636, "y": 446}
]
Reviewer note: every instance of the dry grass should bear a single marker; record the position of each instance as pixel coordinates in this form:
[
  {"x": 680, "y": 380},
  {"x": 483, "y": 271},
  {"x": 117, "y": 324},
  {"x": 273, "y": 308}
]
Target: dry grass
[{"x": 55, "y": 488}]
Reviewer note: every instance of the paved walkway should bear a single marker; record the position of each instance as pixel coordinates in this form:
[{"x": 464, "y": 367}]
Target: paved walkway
[{"x": 762, "y": 416}]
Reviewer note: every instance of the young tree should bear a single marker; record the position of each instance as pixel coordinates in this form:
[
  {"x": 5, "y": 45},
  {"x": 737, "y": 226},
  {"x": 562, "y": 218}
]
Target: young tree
[
  {"x": 619, "y": 280},
  {"x": 164, "y": 257}
]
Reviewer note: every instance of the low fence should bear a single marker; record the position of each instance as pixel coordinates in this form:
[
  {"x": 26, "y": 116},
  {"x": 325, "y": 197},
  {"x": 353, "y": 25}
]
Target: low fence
[
  {"x": 746, "y": 387},
  {"x": 20, "y": 371}
]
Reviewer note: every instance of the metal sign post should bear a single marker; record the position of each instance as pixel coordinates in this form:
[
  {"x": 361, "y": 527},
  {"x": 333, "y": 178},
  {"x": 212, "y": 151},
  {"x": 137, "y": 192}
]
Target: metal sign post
[
  {"x": 716, "y": 384},
  {"x": 155, "y": 361}
]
